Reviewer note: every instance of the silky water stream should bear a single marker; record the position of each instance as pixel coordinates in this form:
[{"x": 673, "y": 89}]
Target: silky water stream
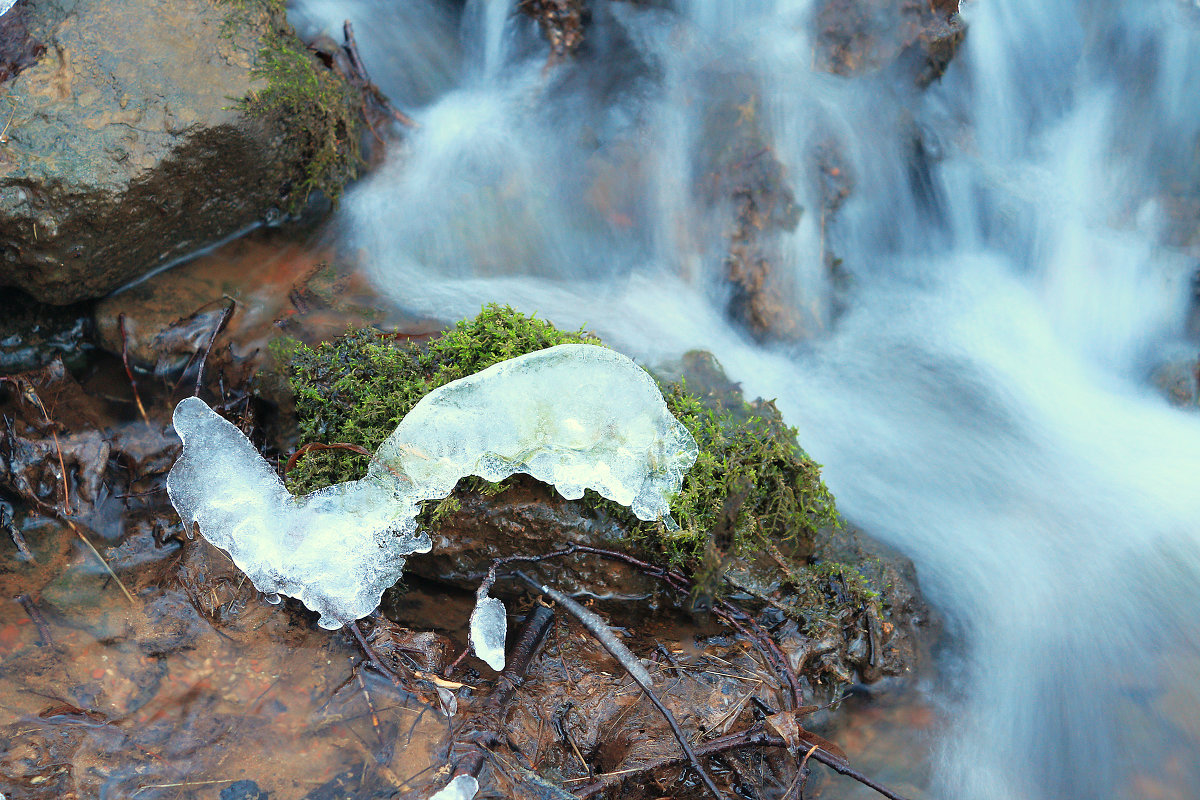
[{"x": 1015, "y": 259}]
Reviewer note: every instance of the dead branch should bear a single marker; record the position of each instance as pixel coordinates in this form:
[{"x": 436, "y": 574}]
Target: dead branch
[
  {"x": 629, "y": 661},
  {"x": 36, "y": 617},
  {"x": 483, "y": 731},
  {"x": 225, "y": 315},
  {"x": 137, "y": 398}
]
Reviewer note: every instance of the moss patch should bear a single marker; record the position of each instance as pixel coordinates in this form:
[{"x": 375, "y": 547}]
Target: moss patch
[
  {"x": 319, "y": 111},
  {"x": 357, "y": 388},
  {"x": 752, "y": 490}
]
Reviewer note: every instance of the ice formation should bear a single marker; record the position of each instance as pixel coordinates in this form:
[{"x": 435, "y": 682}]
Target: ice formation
[
  {"x": 489, "y": 627},
  {"x": 463, "y": 787},
  {"x": 577, "y": 416}
]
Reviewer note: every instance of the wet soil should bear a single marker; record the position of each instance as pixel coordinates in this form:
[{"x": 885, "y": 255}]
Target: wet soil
[{"x": 135, "y": 662}]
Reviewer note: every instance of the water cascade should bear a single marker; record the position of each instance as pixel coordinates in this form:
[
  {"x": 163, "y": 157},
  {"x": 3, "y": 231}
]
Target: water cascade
[{"x": 1015, "y": 264}]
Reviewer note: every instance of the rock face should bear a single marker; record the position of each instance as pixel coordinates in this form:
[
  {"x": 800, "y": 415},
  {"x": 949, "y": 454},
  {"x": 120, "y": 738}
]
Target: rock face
[
  {"x": 128, "y": 145},
  {"x": 858, "y": 36}
]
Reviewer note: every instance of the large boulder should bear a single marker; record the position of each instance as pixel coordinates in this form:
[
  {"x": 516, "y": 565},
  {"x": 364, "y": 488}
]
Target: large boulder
[{"x": 144, "y": 131}]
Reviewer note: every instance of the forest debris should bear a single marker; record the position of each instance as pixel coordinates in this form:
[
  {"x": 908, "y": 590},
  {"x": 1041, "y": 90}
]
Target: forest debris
[
  {"x": 137, "y": 398},
  {"x": 596, "y": 625},
  {"x": 485, "y": 728}
]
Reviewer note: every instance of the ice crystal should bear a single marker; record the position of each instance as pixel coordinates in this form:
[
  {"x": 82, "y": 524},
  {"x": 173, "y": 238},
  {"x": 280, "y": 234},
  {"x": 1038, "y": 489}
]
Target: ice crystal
[{"x": 577, "y": 416}]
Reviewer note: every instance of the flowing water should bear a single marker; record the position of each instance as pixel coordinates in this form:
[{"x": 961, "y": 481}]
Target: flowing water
[{"x": 1016, "y": 270}]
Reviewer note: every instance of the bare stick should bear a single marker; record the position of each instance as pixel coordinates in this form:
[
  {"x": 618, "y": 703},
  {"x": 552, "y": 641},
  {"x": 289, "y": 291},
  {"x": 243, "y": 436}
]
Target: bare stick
[
  {"x": 629, "y": 661},
  {"x": 482, "y": 733},
  {"x": 100, "y": 558},
  {"x": 137, "y": 398},
  {"x": 371, "y": 655},
  {"x": 225, "y": 315},
  {"x": 43, "y": 629}
]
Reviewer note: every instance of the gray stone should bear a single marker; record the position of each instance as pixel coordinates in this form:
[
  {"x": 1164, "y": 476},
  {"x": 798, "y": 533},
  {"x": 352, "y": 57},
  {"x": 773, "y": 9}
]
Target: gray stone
[{"x": 129, "y": 147}]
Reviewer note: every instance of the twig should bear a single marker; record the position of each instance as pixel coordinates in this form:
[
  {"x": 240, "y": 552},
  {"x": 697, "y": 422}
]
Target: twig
[
  {"x": 629, "y": 661},
  {"x": 38, "y": 620},
  {"x": 18, "y": 538},
  {"x": 376, "y": 93},
  {"x": 32, "y": 396},
  {"x": 225, "y": 315},
  {"x": 137, "y": 398},
  {"x": 100, "y": 558},
  {"x": 371, "y": 655},
  {"x": 353, "y": 448}
]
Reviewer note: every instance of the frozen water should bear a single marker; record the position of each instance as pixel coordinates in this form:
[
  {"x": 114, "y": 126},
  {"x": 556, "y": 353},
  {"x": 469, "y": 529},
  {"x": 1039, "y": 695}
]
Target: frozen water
[
  {"x": 576, "y": 416},
  {"x": 336, "y": 550},
  {"x": 489, "y": 628},
  {"x": 463, "y": 787}
]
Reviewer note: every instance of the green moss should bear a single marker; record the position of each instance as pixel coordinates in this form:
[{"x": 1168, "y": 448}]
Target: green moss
[
  {"x": 752, "y": 489},
  {"x": 357, "y": 388},
  {"x": 317, "y": 108},
  {"x": 751, "y": 485}
]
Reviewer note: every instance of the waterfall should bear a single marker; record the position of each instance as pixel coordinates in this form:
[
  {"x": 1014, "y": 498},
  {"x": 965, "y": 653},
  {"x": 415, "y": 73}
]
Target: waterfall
[{"x": 1018, "y": 251}]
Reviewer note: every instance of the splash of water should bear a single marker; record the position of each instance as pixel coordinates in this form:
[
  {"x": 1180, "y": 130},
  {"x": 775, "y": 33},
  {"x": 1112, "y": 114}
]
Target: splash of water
[{"x": 983, "y": 404}]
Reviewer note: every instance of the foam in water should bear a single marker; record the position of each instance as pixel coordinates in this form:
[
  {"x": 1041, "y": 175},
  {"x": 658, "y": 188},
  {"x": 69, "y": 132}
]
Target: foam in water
[
  {"x": 576, "y": 416},
  {"x": 982, "y": 406}
]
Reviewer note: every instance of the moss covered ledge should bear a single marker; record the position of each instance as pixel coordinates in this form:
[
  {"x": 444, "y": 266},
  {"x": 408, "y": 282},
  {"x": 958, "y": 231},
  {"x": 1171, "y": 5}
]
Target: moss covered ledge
[
  {"x": 319, "y": 110},
  {"x": 756, "y": 520}
]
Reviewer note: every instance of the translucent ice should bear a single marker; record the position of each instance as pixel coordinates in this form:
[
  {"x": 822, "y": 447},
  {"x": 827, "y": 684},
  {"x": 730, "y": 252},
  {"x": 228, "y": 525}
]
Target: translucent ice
[
  {"x": 336, "y": 550},
  {"x": 463, "y": 787},
  {"x": 577, "y": 416},
  {"x": 489, "y": 628}
]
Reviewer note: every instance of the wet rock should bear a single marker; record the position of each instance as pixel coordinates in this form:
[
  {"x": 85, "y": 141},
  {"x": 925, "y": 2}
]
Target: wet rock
[
  {"x": 18, "y": 49},
  {"x": 172, "y": 624},
  {"x": 243, "y": 790},
  {"x": 127, "y": 147},
  {"x": 562, "y": 23},
  {"x": 254, "y": 288},
  {"x": 858, "y": 36},
  {"x": 530, "y": 518},
  {"x": 32, "y": 334},
  {"x": 745, "y": 185},
  {"x": 1179, "y": 382}
]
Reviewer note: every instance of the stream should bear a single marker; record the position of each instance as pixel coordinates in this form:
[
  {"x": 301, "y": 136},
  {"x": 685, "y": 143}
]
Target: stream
[{"x": 976, "y": 378}]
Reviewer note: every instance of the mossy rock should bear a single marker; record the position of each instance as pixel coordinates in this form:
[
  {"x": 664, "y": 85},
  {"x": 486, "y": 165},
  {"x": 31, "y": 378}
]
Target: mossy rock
[
  {"x": 145, "y": 131},
  {"x": 753, "y": 512},
  {"x": 357, "y": 388},
  {"x": 318, "y": 109}
]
